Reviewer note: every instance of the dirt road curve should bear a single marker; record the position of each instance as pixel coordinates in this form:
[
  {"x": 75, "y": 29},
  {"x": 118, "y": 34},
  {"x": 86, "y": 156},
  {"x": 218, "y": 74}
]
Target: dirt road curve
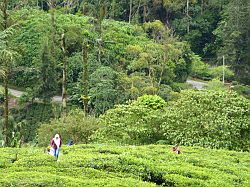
[
  {"x": 18, "y": 93},
  {"x": 196, "y": 84}
]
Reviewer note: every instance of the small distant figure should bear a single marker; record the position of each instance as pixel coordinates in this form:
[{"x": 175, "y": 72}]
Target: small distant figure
[
  {"x": 176, "y": 149},
  {"x": 56, "y": 143},
  {"x": 70, "y": 142}
]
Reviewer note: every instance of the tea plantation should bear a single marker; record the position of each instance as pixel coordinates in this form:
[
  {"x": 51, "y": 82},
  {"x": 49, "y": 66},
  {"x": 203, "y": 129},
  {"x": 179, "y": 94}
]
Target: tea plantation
[{"x": 106, "y": 165}]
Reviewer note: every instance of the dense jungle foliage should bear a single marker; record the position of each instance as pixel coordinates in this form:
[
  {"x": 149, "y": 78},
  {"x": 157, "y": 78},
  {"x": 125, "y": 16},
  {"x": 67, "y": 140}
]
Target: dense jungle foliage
[{"x": 213, "y": 28}]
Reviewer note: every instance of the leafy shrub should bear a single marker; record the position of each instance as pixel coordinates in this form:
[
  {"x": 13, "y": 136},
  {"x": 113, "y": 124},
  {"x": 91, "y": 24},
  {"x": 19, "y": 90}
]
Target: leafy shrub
[
  {"x": 215, "y": 84},
  {"x": 151, "y": 101},
  {"x": 208, "y": 118},
  {"x": 136, "y": 123},
  {"x": 10, "y": 132},
  {"x": 217, "y": 119},
  {"x": 217, "y": 72},
  {"x": 199, "y": 69},
  {"x": 104, "y": 90},
  {"x": 177, "y": 87},
  {"x": 165, "y": 92},
  {"x": 204, "y": 71},
  {"x": 74, "y": 126},
  {"x": 242, "y": 90}
]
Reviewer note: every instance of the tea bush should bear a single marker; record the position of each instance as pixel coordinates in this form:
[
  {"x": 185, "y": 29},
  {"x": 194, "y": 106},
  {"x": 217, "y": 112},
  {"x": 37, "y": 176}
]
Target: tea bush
[{"x": 109, "y": 165}]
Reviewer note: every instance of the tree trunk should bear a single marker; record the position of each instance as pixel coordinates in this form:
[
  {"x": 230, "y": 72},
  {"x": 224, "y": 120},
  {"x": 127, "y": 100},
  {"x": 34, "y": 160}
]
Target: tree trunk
[
  {"x": 5, "y": 14},
  {"x": 144, "y": 11},
  {"x": 188, "y": 25},
  {"x": 113, "y": 9},
  {"x": 6, "y": 93},
  {"x": 64, "y": 81},
  {"x": 6, "y": 110},
  {"x": 130, "y": 10},
  {"x": 53, "y": 25},
  {"x": 85, "y": 77},
  {"x": 202, "y": 6},
  {"x": 99, "y": 50}
]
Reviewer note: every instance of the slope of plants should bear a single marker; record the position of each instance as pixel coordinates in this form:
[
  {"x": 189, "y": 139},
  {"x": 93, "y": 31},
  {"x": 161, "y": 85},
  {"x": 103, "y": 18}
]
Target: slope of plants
[
  {"x": 207, "y": 118},
  {"x": 107, "y": 165}
]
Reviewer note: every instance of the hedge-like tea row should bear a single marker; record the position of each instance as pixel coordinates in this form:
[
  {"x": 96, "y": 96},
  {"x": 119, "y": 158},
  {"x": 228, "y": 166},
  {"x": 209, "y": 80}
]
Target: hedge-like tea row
[{"x": 142, "y": 166}]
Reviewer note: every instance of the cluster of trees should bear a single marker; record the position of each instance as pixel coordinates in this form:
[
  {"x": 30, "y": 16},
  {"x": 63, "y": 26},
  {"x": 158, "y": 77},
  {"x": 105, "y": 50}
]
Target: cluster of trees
[
  {"x": 213, "y": 27},
  {"x": 120, "y": 63}
]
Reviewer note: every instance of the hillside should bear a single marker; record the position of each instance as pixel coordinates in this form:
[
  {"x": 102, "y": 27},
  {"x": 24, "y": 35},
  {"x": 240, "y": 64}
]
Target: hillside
[{"x": 106, "y": 165}]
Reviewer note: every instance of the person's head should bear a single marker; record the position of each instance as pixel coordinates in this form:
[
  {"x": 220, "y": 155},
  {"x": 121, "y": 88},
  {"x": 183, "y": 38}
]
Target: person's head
[{"x": 57, "y": 136}]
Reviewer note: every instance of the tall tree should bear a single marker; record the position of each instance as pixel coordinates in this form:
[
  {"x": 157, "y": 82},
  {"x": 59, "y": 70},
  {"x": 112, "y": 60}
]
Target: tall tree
[
  {"x": 85, "y": 96},
  {"x": 233, "y": 36},
  {"x": 47, "y": 86},
  {"x": 64, "y": 81},
  {"x": 50, "y": 46},
  {"x": 7, "y": 58}
]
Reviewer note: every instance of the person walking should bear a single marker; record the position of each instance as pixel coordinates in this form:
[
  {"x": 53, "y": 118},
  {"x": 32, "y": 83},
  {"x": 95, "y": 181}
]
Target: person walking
[{"x": 56, "y": 143}]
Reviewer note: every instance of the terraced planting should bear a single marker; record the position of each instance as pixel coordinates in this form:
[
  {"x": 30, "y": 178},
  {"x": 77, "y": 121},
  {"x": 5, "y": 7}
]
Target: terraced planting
[{"x": 106, "y": 165}]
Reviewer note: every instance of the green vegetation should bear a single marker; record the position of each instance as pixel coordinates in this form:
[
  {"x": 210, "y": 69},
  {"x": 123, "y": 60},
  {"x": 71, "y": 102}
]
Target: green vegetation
[
  {"x": 98, "y": 54},
  {"x": 241, "y": 89},
  {"x": 203, "y": 71},
  {"x": 74, "y": 126},
  {"x": 32, "y": 115},
  {"x": 1, "y": 94},
  {"x": 217, "y": 119},
  {"x": 127, "y": 64},
  {"x": 123, "y": 67},
  {"x": 106, "y": 165}
]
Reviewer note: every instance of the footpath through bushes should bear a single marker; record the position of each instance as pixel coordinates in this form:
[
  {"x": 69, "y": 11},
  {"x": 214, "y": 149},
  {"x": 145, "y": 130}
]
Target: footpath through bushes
[{"x": 143, "y": 166}]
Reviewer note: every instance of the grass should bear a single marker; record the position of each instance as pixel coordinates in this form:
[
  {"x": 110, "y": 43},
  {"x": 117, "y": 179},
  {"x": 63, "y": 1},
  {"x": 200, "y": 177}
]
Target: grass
[{"x": 107, "y": 165}]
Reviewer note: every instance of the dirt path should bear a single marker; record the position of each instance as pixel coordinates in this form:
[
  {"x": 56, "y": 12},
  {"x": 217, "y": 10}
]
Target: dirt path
[
  {"x": 196, "y": 84},
  {"x": 18, "y": 93}
]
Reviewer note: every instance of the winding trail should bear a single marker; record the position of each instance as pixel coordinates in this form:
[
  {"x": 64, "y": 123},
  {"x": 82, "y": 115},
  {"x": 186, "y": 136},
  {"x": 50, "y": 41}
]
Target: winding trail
[
  {"x": 18, "y": 93},
  {"x": 197, "y": 84}
]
